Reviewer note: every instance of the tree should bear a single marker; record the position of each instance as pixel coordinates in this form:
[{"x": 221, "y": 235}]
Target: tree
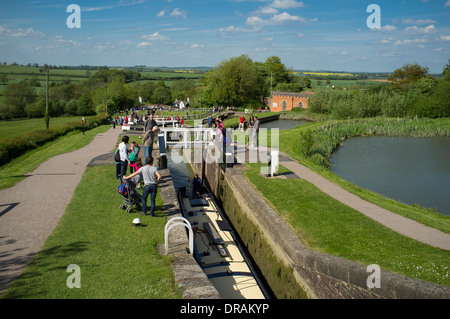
[
  {"x": 4, "y": 78},
  {"x": 277, "y": 70},
  {"x": 85, "y": 105},
  {"x": 233, "y": 82},
  {"x": 162, "y": 94},
  {"x": 17, "y": 96},
  {"x": 182, "y": 89},
  {"x": 407, "y": 74},
  {"x": 446, "y": 71},
  {"x": 146, "y": 91}
]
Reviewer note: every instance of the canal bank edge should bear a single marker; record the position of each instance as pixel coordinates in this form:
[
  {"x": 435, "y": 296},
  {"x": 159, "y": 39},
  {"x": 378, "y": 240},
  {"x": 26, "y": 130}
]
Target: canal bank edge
[
  {"x": 301, "y": 272},
  {"x": 325, "y": 275},
  {"x": 189, "y": 277}
]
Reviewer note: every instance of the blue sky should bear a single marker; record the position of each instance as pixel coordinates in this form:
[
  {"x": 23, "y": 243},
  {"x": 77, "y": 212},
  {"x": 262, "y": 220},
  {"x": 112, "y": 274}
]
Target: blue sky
[{"x": 314, "y": 35}]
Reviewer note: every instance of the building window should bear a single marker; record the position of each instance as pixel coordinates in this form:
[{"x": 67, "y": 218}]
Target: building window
[
  {"x": 300, "y": 104},
  {"x": 284, "y": 105}
]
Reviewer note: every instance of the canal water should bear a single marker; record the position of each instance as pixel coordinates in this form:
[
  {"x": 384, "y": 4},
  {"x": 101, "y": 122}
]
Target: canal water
[
  {"x": 182, "y": 173},
  {"x": 282, "y": 124},
  {"x": 407, "y": 169}
]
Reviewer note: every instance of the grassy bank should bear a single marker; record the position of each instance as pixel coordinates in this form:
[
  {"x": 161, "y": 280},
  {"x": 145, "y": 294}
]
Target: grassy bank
[
  {"x": 312, "y": 145},
  {"x": 117, "y": 260},
  {"x": 15, "y": 171},
  {"x": 326, "y": 225},
  {"x": 319, "y": 144},
  {"x": 20, "y": 128}
]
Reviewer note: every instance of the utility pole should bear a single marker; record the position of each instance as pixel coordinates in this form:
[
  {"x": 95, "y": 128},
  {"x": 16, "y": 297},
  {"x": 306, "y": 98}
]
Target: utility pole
[
  {"x": 46, "y": 117},
  {"x": 106, "y": 100}
]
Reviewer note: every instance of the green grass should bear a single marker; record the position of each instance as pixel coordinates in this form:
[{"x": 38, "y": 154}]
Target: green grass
[
  {"x": 18, "y": 128},
  {"x": 343, "y": 83},
  {"x": 117, "y": 260},
  {"x": 169, "y": 75},
  {"x": 289, "y": 143},
  {"x": 32, "y": 71},
  {"x": 326, "y": 225},
  {"x": 15, "y": 171}
]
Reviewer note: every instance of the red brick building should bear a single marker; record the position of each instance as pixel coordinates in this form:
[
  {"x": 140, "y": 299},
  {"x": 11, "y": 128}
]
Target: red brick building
[{"x": 286, "y": 101}]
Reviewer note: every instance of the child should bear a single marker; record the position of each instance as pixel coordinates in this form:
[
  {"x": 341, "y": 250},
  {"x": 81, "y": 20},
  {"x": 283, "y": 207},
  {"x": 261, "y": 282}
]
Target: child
[
  {"x": 133, "y": 155},
  {"x": 138, "y": 178}
]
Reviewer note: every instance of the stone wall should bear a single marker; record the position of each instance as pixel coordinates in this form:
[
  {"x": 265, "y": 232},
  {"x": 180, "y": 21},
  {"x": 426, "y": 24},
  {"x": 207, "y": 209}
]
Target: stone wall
[{"x": 291, "y": 269}]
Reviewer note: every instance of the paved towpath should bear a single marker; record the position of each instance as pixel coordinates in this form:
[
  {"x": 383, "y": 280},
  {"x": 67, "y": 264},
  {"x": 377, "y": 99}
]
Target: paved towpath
[
  {"x": 398, "y": 223},
  {"x": 30, "y": 210}
]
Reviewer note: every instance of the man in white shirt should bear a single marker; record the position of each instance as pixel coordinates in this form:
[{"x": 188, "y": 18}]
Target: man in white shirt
[{"x": 124, "y": 160}]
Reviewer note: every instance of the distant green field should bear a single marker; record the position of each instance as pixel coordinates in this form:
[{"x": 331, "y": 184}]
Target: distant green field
[
  {"x": 16, "y": 69},
  {"x": 154, "y": 74},
  {"x": 17, "y": 73},
  {"x": 343, "y": 83},
  {"x": 17, "y": 128}
]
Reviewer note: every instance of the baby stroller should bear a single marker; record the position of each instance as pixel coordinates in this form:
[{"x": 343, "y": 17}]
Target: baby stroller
[{"x": 130, "y": 195}]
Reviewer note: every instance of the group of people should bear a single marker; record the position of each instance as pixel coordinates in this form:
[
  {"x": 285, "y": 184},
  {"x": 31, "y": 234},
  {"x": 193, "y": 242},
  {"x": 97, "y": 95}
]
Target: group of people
[
  {"x": 149, "y": 174},
  {"x": 253, "y": 129}
]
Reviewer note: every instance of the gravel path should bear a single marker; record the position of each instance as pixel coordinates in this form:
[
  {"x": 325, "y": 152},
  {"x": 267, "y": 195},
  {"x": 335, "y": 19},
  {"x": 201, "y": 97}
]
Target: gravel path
[
  {"x": 398, "y": 223},
  {"x": 30, "y": 210}
]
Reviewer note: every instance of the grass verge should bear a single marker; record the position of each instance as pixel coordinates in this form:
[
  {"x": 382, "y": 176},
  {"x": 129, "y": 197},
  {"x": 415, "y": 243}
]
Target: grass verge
[
  {"x": 326, "y": 225},
  {"x": 117, "y": 260},
  {"x": 291, "y": 144},
  {"x": 15, "y": 171}
]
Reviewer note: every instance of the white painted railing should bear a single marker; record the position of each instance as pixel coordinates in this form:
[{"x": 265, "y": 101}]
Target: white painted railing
[{"x": 185, "y": 223}]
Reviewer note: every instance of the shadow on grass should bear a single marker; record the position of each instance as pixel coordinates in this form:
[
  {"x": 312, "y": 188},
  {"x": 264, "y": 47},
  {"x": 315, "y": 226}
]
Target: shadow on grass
[{"x": 47, "y": 261}]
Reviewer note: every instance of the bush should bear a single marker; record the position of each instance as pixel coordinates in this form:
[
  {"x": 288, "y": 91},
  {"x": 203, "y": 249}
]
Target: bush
[
  {"x": 435, "y": 104},
  {"x": 318, "y": 145},
  {"x": 13, "y": 148}
]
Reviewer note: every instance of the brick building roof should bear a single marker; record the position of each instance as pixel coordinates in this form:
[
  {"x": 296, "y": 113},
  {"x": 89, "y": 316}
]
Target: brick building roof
[{"x": 291, "y": 94}]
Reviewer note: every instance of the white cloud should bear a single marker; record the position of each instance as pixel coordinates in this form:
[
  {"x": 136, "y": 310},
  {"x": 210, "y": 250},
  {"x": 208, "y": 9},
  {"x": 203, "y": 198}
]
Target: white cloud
[
  {"x": 255, "y": 21},
  {"x": 388, "y": 40},
  {"x": 233, "y": 29},
  {"x": 277, "y": 19},
  {"x": 96, "y": 8},
  {"x": 417, "y": 30},
  {"x": 16, "y": 33},
  {"x": 447, "y": 4},
  {"x": 267, "y": 10},
  {"x": 177, "y": 13},
  {"x": 155, "y": 37},
  {"x": 287, "y": 4},
  {"x": 413, "y": 41},
  {"x": 283, "y": 17},
  {"x": 418, "y": 21},
  {"x": 144, "y": 44},
  {"x": 385, "y": 28},
  {"x": 445, "y": 37},
  {"x": 195, "y": 46},
  {"x": 279, "y": 4},
  {"x": 113, "y": 6},
  {"x": 60, "y": 39}
]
